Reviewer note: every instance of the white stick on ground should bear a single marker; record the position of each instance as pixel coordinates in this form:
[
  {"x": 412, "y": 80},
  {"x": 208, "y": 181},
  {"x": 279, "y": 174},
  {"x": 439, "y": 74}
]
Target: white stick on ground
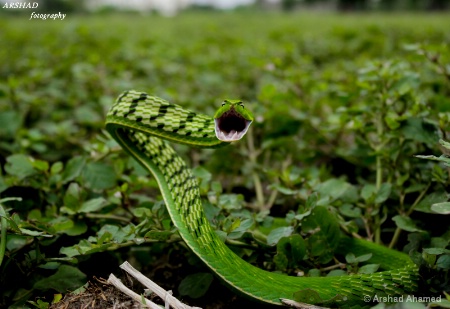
[
  {"x": 163, "y": 294},
  {"x": 119, "y": 285},
  {"x": 298, "y": 305}
]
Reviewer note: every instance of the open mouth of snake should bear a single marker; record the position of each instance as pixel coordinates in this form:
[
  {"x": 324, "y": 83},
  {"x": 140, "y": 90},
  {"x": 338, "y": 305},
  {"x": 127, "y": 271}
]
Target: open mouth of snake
[{"x": 231, "y": 126}]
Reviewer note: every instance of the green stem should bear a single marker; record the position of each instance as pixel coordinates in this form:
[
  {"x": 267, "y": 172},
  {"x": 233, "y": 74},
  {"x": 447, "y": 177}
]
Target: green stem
[
  {"x": 379, "y": 181},
  {"x": 252, "y": 154},
  {"x": 394, "y": 239},
  {"x": 259, "y": 190},
  {"x": 107, "y": 217},
  {"x": 4, "y": 225},
  {"x": 3, "y": 235},
  {"x": 272, "y": 199},
  {"x": 129, "y": 243},
  {"x": 409, "y": 212},
  {"x": 418, "y": 199}
]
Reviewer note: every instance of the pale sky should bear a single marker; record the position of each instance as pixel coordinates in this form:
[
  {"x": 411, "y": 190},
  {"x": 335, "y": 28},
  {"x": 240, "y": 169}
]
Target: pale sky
[
  {"x": 168, "y": 7},
  {"x": 223, "y": 3}
]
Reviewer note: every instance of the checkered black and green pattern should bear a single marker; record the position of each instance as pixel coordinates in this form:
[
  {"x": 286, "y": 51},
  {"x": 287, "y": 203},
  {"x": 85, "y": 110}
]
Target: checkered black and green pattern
[
  {"x": 144, "y": 124},
  {"x": 165, "y": 119}
]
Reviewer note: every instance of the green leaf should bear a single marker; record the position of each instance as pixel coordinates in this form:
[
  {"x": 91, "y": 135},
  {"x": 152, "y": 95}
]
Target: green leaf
[
  {"x": 443, "y": 158},
  {"x": 92, "y": 205},
  {"x": 69, "y": 251},
  {"x": 444, "y": 144},
  {"x": 72, "y": 198},
  {"x": 98, "y": 176},
  {"x": 282, "y": 189},
  {"x": 392, "y": 120},
  {"x": 443, "y": 261},
  {"x": 350, "y": 211},
  {"x": 368, "y": 269},
  {"x": 40, "y": 165},
  {"x": 333, "y": 188},
  {"x": 276, "y": 234},
  {"x": 11, "y": 122},
  {"x": 368, "y": 192},
  {"x": 413, "y": 188},
  {"x": 236, "y": 223},
  {"x": 35, "y": 214},
  {"x": 325, "y": 233},
  {"x": 311, "y": 201},
  {"x": 292, "y": 248},
  {"x": 238, "y": 230},
  {"x": 56, "y": 168},
  {"x": 67, "y": 278},
  {"x": 439, "y": 242},
  {"x": 383, "y": 193},
  {"x": 78, "y": 228},
  {"x": 364, "y": 257},
  {"x": 3, "y": 185},
  {"x": 28, "y": 232},
  {"x": 204, "y": 175},
  {"x": 418, "y": 130},
  {"x": 73, "y": 168},
  {"x": 441, "y": 208},
  {"x": 231, "y": 201},
  {"x": 216, "y": 187},
  {"x": 297, "y": 248},
  {"x": 433, "y": 198},
  {"x": 50, "y": 265},
  {"x": 57, "y": 298},
  {"x": 281, "y": 261},
  {"x": 19, "y": 165},
  {"x": 195, "y": 285},
  {"x": 441, "y": 303},
  {"x": 62, "y": 224},
  {"x": 300, "y": 216},
  {"x": 430, "y": 259},
  {"x": 40, "y": 304},
  {"x": 406, "y": 224},
  {"x": 350, "y": 258},
  {"x": 436, "y": 251},
  {"x": 141, "y": 212},
  {"x": 314, "y": 272},
  {"x": 158, "y": 235}
]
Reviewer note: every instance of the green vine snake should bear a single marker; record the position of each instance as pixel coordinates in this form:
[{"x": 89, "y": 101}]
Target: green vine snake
[{"x": 143, "y": 124}]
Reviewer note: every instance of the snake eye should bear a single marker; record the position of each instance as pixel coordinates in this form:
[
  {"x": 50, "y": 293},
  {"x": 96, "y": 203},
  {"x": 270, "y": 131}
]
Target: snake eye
[
  {"x": 242, "y": 105},
  {"x": 223, "y": 104}
]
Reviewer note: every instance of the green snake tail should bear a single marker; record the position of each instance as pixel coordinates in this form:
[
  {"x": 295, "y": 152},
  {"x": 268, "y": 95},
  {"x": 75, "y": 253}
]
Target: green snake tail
[{"x": 143, "y": 124}]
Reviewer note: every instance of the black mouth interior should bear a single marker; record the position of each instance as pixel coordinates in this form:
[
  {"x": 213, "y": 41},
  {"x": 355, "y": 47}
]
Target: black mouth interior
[{"x": 231, "y": 120}]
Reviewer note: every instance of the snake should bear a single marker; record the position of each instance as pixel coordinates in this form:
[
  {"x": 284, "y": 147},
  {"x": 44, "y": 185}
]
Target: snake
[{"x": 145, "y": 125}]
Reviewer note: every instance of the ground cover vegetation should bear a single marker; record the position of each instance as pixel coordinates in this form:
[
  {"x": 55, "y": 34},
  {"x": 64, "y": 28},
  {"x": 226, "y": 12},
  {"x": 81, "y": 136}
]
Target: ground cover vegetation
[{"x": 351, "y": 134}]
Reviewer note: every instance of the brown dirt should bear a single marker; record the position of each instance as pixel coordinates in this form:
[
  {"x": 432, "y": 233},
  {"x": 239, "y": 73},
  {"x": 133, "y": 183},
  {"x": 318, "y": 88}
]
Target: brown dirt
[{"x": 99, "y": 295}]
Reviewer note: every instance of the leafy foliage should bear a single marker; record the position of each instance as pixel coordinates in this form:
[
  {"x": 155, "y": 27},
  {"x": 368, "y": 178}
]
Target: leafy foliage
[{"x": 342, "y": 110}]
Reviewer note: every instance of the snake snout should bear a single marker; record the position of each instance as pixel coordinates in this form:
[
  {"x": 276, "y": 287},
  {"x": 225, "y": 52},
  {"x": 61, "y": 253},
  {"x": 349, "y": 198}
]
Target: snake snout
[{"x": 231, "y": 126}]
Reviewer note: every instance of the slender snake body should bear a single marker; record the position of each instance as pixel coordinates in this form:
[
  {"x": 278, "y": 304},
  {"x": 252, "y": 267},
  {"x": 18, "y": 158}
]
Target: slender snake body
[{"x": 143, "y": 124}]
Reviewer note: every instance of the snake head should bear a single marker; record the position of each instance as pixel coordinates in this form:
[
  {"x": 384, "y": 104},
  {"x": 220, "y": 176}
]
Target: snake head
[{"x": 232, "y": 121}]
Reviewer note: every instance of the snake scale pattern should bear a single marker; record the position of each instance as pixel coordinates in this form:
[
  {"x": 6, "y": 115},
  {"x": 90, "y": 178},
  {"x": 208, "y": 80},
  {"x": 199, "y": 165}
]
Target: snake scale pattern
[{"x": 143, "y": 125}]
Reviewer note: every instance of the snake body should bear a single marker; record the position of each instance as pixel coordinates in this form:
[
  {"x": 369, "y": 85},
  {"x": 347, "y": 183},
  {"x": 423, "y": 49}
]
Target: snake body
[{"x": 143, "y": 124}]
